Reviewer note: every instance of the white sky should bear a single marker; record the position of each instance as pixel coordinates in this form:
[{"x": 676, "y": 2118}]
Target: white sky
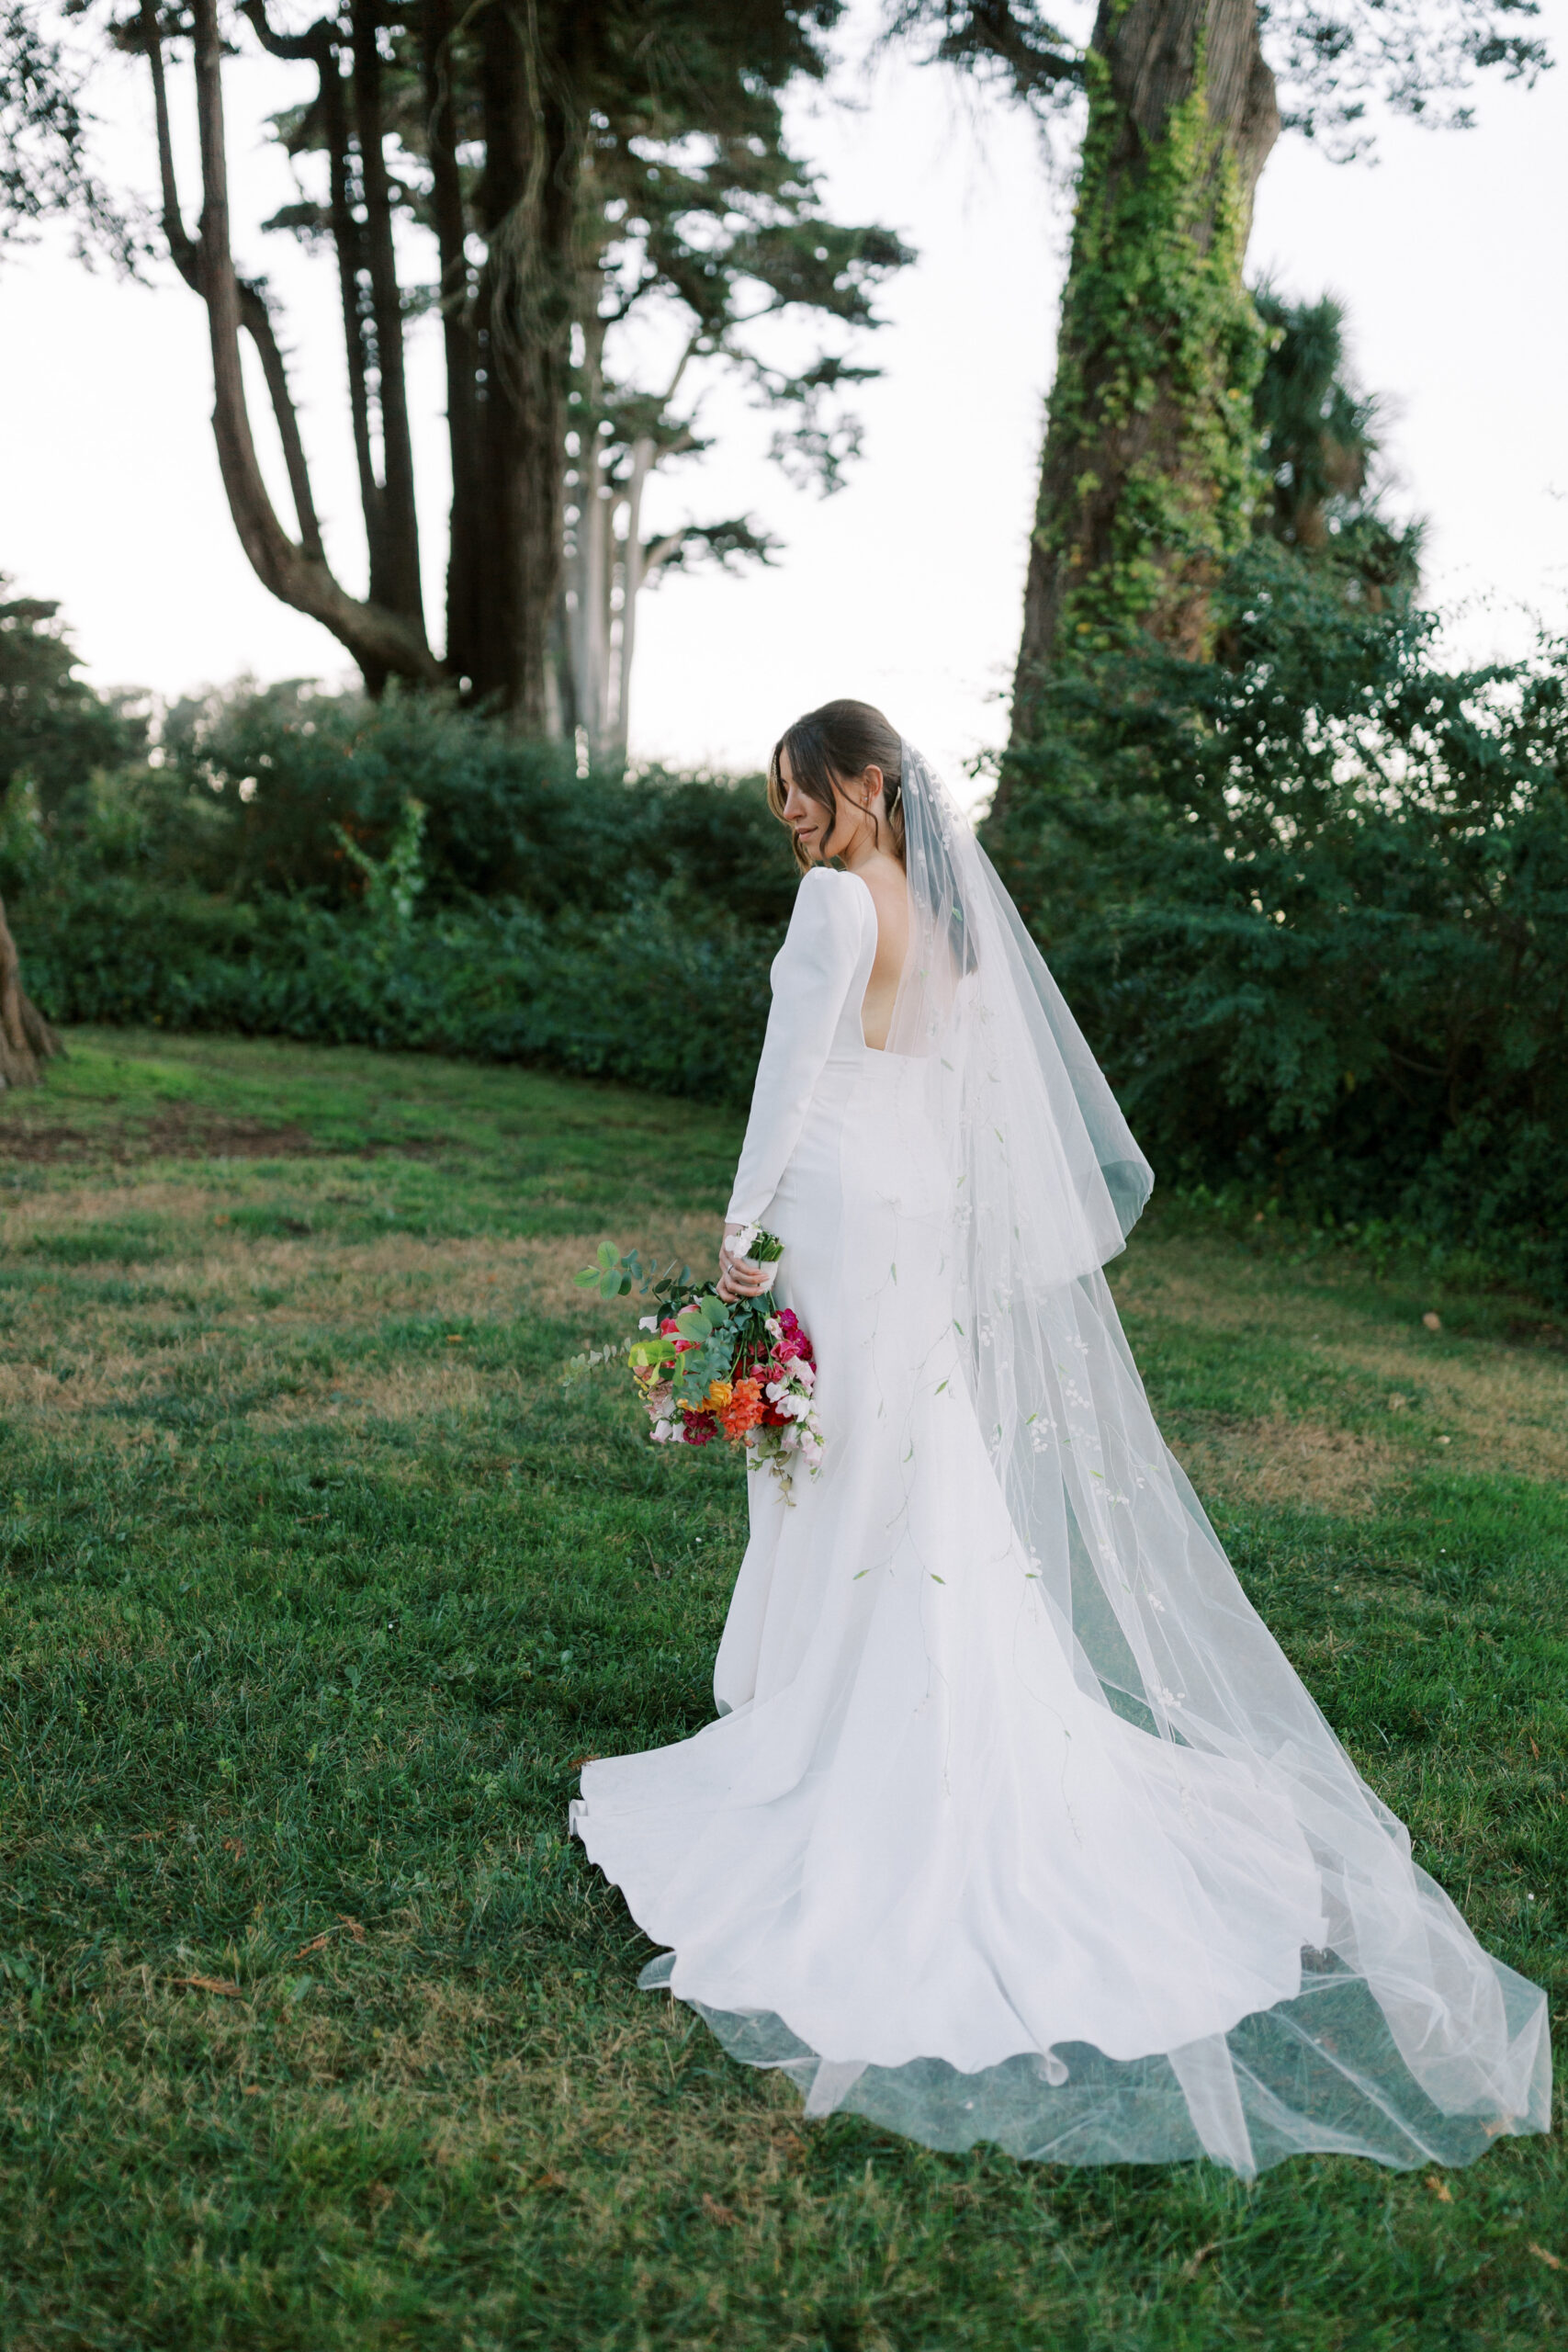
[{"x": 905, "y": 588}]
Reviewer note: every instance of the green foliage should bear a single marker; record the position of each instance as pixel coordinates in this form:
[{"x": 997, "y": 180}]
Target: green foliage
[
  {"x": 54, "y": 730},
  {"x": 1312, "y": 906},
  {"x": 291, "y": 771},
  {"x": 700, "y": 212},
  {"x": 392, "y": 884},
  {"x": 406, "y": 874},
  {"x": 1319, "y": 445},
  {"x": 46, "y": 138},
  {"x": 645, "y": 996}
]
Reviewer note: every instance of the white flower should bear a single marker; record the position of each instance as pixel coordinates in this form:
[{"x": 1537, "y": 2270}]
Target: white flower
[
  {"x": 648, "y": 1322},
  {"x": 663, "y": 1432},
  {"x": 775, "y": 1390},
  {"x": 741, "y": 1242}
]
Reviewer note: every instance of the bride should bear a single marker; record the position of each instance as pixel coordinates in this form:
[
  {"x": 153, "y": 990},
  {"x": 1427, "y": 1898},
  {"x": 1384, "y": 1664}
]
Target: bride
[{"x": 1015, "y": 1824}]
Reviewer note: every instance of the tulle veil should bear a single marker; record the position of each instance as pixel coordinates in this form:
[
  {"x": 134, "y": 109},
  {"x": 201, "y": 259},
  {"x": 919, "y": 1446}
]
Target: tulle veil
[{"x": 1406, "y": 2042}]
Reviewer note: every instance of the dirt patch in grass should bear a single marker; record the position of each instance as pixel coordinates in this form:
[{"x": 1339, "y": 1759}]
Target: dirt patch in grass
[
  {"x": 1293, "y": 1462},
  {"x": 1500, "y": 1407},
  {"x": 180, "y": 1133},
  {"x": 72, "y": 1356},
  {"x": 1505, "y": 1411}
]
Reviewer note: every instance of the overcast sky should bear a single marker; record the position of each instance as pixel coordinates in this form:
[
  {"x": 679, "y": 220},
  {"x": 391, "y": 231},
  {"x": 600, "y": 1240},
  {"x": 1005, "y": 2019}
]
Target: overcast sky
[{"x": 905, "y": 588}]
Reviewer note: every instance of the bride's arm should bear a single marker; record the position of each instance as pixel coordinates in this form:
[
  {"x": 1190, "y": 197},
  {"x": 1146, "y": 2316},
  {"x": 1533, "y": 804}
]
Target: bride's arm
[{"x": 811, "y": 978}]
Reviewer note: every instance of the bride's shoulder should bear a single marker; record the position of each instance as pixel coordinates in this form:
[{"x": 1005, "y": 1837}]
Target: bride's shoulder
[{"x": 826, "y": 894}]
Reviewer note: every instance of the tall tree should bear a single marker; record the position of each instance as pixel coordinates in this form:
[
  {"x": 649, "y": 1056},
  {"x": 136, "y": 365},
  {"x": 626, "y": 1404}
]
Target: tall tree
[
  {"x": 722, "y": 241},
  {"x": 487, "y": 132},
  {"x": 1147, "y": 480}
]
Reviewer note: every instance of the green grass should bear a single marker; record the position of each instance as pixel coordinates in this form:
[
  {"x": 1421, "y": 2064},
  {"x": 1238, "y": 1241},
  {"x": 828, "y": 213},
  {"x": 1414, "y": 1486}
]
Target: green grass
[{"x": 316, "y": 1584}]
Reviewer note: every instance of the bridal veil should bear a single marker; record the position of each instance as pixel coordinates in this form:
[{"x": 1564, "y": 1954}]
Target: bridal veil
[{"x": 1405, "y": 2041}]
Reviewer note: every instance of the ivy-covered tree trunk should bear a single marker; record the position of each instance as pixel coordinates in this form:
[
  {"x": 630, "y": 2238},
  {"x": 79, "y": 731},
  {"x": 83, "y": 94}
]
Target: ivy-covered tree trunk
[{"x": 1147, "y": 480}]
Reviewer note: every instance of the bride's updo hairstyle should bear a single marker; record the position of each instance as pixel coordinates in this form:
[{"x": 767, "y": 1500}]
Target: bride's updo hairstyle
[{"x": 834, "y": 745}]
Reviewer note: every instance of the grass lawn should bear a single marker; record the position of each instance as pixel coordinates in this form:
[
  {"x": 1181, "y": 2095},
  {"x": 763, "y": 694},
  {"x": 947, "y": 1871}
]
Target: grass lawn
[{"x": 316, "y": 1585}]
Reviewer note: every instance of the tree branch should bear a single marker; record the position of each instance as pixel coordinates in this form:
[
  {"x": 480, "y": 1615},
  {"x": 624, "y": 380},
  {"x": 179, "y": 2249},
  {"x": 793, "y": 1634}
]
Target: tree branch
[
  {"x": 257, "y": 319},
  {"x": 378, "y": 639},
  {"x": 312, "y": 45},
  {"x": 400, "y": 587},
  {"x": 183, "y": 250},
  {"x": 1012, "y": 34},
  {"x": 254, "y": 315}
]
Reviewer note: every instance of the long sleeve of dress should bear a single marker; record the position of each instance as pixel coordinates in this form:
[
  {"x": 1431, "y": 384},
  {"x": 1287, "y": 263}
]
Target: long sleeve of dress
[{"x": 811, "y": 976}]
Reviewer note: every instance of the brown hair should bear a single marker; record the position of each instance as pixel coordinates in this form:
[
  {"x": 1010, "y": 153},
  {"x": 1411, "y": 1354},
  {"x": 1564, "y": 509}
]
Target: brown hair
[{"x": 831, "y": 746}]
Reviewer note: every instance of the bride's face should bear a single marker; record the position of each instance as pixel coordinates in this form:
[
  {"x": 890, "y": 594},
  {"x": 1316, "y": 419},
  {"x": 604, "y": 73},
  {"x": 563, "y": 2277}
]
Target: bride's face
[{"x": 853, "y": 813}]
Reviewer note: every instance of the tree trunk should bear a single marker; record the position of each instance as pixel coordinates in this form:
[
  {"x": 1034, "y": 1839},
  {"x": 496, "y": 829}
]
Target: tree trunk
[
  {"x": 1146, "y": 480},
  {"x": 527, "y": 201},
  {"x": 348, "y": 243},
  {"x": 397, "y": 585},
  {"x": 635, "y": 571},
  {"x": 27, "y": 1041},
  {"x": 457, "y": 336},
  {"x": 593, "y": 559}
]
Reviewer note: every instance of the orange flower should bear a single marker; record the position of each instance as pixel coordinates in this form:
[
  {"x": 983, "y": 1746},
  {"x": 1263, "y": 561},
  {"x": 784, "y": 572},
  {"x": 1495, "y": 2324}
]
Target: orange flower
[{"x": 744, "y": 1409}]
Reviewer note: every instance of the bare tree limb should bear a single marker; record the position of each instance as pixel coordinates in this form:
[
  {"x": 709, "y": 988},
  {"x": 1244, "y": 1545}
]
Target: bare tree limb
[
  {"x": 298, "y": 46},
  {"x": 319, "y": 47},
  {"x": 254, "y": 315},
  {"x": 377, "y": 638}
]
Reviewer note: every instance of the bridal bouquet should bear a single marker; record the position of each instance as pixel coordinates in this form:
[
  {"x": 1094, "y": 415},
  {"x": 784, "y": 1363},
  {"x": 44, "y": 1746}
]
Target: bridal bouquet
[{"x": 706, "y": 1369}]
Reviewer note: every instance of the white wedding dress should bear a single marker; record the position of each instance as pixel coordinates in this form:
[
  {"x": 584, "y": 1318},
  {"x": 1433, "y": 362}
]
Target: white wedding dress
[{"x": 1015, "y": 1823}]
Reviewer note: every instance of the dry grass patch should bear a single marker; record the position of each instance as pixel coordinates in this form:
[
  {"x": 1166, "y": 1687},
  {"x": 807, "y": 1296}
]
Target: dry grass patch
[
  {"x": 1504, "y": 1409},
  {"x": 71, "y": 1355},
  {"x": 410, "y": 1393},
  {"x": 32, "y": 1214},
  {"x": 1279, "y": 1461}
]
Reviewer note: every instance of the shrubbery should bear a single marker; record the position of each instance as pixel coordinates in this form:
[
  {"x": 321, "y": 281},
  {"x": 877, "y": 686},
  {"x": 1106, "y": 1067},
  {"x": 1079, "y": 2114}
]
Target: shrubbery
[
  {"x": 642, "y": 996},
  {"x": 1311, "y": 905},
  {"x": 303, "y": 865},
  {"x": 1310, "y": 902},
  {"x": 280, "y": 775}
]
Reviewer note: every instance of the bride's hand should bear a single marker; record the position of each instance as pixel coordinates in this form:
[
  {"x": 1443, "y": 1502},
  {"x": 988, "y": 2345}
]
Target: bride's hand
[{"x": 738, "y": 1277}]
